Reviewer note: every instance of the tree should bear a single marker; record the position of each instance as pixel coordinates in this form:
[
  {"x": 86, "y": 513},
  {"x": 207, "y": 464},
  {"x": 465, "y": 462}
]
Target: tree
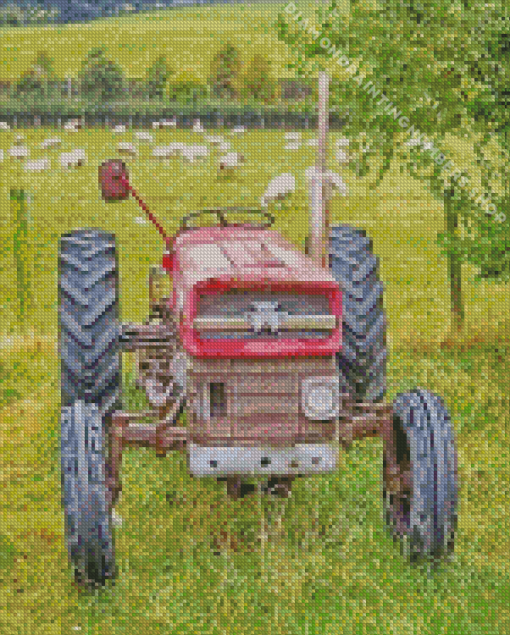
[
  {"x": 225, "y": 69},
  {"x": 258, "y": 80},
  {"x": 401, "y": 71},
  {"x": 187, "y": 87},
  {"x": 157, "y": 77},
  {"x": 100, "y": 79},
  {"x": 35, "y": 82}
]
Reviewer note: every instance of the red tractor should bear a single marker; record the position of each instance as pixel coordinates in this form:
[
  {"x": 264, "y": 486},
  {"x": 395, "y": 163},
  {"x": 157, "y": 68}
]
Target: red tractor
[{"x": 278, "y": 361}]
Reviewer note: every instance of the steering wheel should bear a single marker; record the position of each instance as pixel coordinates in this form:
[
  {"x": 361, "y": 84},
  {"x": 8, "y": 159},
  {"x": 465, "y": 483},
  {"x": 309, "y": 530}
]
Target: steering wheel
[{"x": 222, "y": 220}]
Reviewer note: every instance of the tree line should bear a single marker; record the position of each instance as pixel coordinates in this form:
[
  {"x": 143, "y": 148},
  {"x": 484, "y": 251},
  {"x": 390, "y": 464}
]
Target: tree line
[{"x": 101, "y": 79}]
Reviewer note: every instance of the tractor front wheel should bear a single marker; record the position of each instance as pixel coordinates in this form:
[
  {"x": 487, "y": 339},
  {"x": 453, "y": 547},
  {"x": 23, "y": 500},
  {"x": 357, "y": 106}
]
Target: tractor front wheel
[{"x": 420, "y": 476}]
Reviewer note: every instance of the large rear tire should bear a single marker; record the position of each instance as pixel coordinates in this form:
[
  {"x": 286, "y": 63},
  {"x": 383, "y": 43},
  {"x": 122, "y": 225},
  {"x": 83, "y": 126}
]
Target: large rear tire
[
  {"x": 422, "y": 510},
  {"x": 90, "y": 354},
  {"x": 362, "y": 360}
]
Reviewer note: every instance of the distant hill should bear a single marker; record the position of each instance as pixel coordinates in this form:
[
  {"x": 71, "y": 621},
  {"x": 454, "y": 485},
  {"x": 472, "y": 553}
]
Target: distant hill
[{"x": 24, "y": 12}]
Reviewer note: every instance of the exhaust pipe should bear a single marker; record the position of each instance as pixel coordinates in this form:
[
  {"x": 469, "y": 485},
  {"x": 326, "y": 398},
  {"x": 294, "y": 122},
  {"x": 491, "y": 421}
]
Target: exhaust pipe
[{"x": 319, "y": 191}]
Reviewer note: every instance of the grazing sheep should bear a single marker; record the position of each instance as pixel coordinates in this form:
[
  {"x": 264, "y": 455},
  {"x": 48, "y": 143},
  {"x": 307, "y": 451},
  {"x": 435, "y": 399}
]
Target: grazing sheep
[
  {"x": 127, "y": 148},
  {"x": 19, "y": 139},
  {"x": 215, "y": 141},
  {"x": 162, "y": 152},
  {"x": 19, "y": 152},
  {"x": 51, "y": 143},
  {"x": 224, "y": 146},
  {"x": 4, "y": 125},
  {"x": 119, "y": 129},
  {"x": 37, "y": 166},
  {"x": 313, "y": 143},
  {"x": 74, "y": 159},
  {"x": 1, "y": 156},
  {"x": 292, "y": 145},
  {"x": 336, "y": 181},
  {"x": 190, "y": 153},
  {"x": 168, "y": 123},
  {"x": 197, "y": 126},
  {"x": 73, "y": 125},
  {"x": 230, "y": 161},
  {"x": 239, "y": 130},
  {"x": 156, "y": 125},
  {"x": 141, "y": 220},
  {"x": 293, "y": 136},
  {"x": 278, "y": 189},
  {"x": 342, "y": 157},
  {"x": 342, "y": 143},
  {"x": 144, "y": 136}
]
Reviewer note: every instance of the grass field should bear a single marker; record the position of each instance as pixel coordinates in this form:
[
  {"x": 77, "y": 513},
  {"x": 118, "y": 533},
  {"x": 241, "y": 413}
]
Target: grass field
[
  {"x": 317, "y": 563},
  {"x": 189, "y": 36}
]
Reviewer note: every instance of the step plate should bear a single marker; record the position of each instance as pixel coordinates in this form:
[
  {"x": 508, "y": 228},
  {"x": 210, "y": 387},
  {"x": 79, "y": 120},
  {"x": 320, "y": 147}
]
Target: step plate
[{"x": 303, "y": 458}]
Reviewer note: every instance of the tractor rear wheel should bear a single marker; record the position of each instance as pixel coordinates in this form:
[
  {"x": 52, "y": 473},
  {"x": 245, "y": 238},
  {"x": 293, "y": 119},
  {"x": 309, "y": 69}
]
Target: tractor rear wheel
[
  {"x": 420, "y": 476},
  {"x": 362, "y": 360},
  {"x": 90, "y": 354}
]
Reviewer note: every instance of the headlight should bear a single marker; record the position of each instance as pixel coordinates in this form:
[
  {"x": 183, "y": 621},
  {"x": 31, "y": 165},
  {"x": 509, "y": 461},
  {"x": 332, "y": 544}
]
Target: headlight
[{"x": 321, "y": 398}]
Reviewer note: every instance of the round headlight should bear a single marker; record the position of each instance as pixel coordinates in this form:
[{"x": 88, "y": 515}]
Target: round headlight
[{"x": 320, "y": 398}]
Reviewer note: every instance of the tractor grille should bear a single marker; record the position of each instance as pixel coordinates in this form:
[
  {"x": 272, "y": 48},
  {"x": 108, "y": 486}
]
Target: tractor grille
[{"x": 239, "y": 314}]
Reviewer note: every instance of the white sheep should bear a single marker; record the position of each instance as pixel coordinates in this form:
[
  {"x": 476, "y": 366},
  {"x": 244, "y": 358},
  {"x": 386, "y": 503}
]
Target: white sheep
[
  {"x": 293, "y": 136},
  {"x": 4, "y": 125},
  {"x": 119, "y": 129},
  {"x": 336, "y": 181},
  {"x": 342, "y": 157},
  {"x": 224, "y": 146},
  {"x": 230, "y": 161},
  {"x": 38, "y": 165},
  {"x": 144, "y": 136},
  {"x": 127, "y": 148},
  {"x": 74, "y": 159},
  {"x": 161, "y": 152},
  {"x": 1, "y": 156},
  {"x": 51, "y": 143},
  {"x": 313, "y": 143},
  {"x": 292, "y": 145},
  {"x": 197, "y": 126},
  {"x": 342, "y": 143},
  {"x": 214, "y": 140},
  {"x": 73, "y": 125},
  {"x": 168, "y": 123},
  {"x": 19, "y": 152},
  {"x": 278, "y": 189},
  {"x": 156, "y": 125},
  {"x": 19, "y": 139},
  {"x": 200, "y": 151},
  {"x": 239, "y": 130}
]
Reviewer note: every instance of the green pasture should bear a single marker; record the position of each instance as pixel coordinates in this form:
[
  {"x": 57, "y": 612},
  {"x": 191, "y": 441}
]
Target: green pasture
[
  {"x": 192, "y": 561},
  {"x": 188, "y": 36}
]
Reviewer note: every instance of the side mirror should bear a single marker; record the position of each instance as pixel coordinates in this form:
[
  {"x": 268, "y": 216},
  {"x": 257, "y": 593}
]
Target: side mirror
[{"x": 113, "y": 178}]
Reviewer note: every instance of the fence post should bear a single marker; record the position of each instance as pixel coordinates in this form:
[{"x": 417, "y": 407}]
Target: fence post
[{"x": 19, "y": 214}]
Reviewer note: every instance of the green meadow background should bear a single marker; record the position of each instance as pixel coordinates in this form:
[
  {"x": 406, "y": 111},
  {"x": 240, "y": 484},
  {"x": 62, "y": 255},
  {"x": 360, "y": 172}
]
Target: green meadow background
[{"x": 191, "y": 560}]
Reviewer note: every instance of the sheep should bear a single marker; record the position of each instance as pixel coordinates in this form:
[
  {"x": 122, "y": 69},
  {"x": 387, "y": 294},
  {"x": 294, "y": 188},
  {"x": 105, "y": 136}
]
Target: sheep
[
  {"x": 144, "y": 136},
  {"x": 168, "y": 123},
  {"x": 161, "y": 152},
  {"x": 19, "y": 152},
  {"x": 37, "y": 166},
  {"x": 73, "y": 125},
  {"x": 19, "y": 139},
  {"x": 119, "y": 129},
  {"x": 75, "y": 158},
  {"x": 292, "y": 145},
  {"x": 335, "y": 180},
  {"x": 190, "y": 153},
  {"x": 51, "y": 143},
  {"x": 230, "y": 161},
  {"x": 224, "y": 146},
  {"x": 415, "y": 141},
  {"x": 239, "y": 130},
  {"x": 197, "y": 126},
  {"x": 127, "y": 148},
  {"x": 4, "y": 125},
  {"x": 214, "y": 140},
  {"x": 1, "y": 156},
  {"x": 278, "y": 189},
  {"x": 342, "y": 143},
  {"x": 341, "y": 156},
  {"x": 156, "y": 125},
  {"x": 313, "y": 143},
  {"x": 293, "y": 136}
]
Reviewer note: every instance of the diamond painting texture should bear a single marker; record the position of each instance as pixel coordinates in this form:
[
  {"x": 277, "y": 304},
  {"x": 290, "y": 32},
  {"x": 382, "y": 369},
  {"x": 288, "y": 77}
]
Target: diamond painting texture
[{"x": 207, "y": 424}]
